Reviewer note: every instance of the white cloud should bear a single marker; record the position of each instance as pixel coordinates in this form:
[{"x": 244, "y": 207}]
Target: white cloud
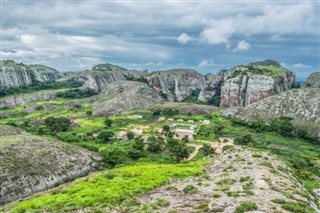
[
  {"x": 242, "y": 46},
  {"x": 184, "y": 38},
  {"x": 206, "y": 63},
  {"x": 300, "y": 66}
]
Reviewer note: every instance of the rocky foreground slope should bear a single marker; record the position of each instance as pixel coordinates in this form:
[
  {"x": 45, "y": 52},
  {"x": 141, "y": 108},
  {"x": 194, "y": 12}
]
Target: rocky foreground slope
[
  {"x": 245, "y": 84},
  {"x": 29, "y": 164},
  {"x": 301, "y": 104},
  {"x": 232, "y": 181},
  {"x": 17, "y": 74}
]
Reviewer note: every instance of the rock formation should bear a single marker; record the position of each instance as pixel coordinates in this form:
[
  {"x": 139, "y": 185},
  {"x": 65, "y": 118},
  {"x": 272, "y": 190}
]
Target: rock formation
[
  {"x": 17, "y": 74},
  {"x": 211, "y": 90},
  {"x": 176, "y": 84},
  {"x": 125, "y": 95},
  {"x": 29, "y": 164},
  {"x": 313, "y": 80},
  {"x": 301, "y": 104}
]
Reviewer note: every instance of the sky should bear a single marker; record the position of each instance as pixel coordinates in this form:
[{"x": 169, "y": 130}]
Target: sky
[{"x": 203, "y": 35}]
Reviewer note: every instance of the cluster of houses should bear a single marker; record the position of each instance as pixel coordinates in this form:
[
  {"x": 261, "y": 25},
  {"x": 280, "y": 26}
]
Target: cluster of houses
[{"x": 204, "y": 122}]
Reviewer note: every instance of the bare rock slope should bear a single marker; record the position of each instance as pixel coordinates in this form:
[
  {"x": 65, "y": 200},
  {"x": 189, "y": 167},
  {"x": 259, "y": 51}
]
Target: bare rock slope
[
  {"x": 29, "y": 164},
  {"x": 233, "y": 179},
  {"x": 301, "y": 104},
  {"x": 126, "y": 95},
  {"x": 313, "y": 80}
]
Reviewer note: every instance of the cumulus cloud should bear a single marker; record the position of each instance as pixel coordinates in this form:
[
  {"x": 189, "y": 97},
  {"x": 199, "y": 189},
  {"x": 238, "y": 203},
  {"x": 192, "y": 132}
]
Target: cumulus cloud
[
  {"x": 184, "y": 38},
  {"x": 242, "y": 46}
]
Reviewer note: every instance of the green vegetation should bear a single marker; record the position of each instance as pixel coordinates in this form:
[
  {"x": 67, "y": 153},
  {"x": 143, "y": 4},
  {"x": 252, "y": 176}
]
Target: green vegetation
[
  {"x": 190, "y": 189},
  {"x": 36, "y": 86},
  {"x": 77, "y": 93},
  {"x": 296, "y": 207},
  {"x": 246, "y": 206},
  {"x": 109, "y": 190}
]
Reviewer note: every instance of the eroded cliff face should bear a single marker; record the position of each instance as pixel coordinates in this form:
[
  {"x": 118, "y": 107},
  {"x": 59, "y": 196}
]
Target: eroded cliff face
[
  {"x": 313, "y": 80},
  {"x": 14, "y": 75},
  {"x": 176, "y": 84},
  {"x": 246, "y": 84},
  {"x": 211, "y": 90},
  {"x": 24, "y": 171},
  {"x": 125, "y": 95}
]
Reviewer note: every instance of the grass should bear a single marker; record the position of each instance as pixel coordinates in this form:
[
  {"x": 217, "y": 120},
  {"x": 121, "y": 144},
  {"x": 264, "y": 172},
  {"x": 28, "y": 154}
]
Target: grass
[
  {"x": 246, "y": 206},
  {"x": 126, "y": 182}
]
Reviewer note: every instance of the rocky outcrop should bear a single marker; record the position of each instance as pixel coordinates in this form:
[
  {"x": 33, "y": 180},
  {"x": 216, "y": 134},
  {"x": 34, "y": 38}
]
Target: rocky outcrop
[
  {"x": 20, "y": 100},
  {"x": 301, "y": 104},
  {"x": 125, "y": 95},
  {"x": 176, "y": 84},
  {"x": 103, "y": 74},
  {"x": 313, "y": 80},
  {"x": 17, "y": 74},
  {"x": 29, "y": 164},
  {"x": 246, "y": 84},
  {"x": 211, "y": 89}
]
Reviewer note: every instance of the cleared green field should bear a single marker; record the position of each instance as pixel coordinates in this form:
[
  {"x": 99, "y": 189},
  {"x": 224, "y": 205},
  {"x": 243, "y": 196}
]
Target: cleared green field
[{"x": 110, "y": 187}]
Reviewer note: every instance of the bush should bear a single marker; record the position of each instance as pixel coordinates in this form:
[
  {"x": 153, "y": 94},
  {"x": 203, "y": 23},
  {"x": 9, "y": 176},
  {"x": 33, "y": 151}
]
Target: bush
[
  {"x": 207, "y": 149},
  {"x": 190, "y": 189},
  {"x": 77, "y": 93},
  {"x": 246, "y": 206},
  {"x": 105, "y": 136},
  {"x": 112, "y": 157},
  {"x": 154, "y": 147},
  {"x": 57, "y": 124}
]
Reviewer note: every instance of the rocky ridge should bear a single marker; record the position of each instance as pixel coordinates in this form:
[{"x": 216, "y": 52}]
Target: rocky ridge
[
  {"x": 17, "y": 74},
  {"x": 301, "y": 104},
  {"x": 125, "y": 95},
  {"x": 313, "y": 80}
]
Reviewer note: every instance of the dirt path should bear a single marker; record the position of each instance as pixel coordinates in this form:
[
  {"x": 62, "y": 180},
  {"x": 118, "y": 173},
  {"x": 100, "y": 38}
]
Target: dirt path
[{"x": 195, "y": 151}]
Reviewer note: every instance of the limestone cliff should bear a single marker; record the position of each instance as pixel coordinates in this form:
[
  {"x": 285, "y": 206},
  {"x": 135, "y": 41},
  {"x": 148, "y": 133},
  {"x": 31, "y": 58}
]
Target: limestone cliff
[
  {"x": 301, "y": 104},
  {"x": 17, "y": 74},
  {"x": 211, "y": 90},
  {"x": 246, "y": 84},
  {"x": 125, "y": 95},
  {"x": 29, "y": 164},
  {"x": 313, "y": 80},
  {"x": 176, "y": 84}
]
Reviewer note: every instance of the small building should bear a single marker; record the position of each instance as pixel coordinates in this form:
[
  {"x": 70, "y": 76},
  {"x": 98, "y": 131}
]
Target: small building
[
  {"x": 122, "y": 135},
  {"x": 135, "y": 116},
  {"x": 181, "y": 133},
  {"x": 205, "y": 122},
  {"x": 161, "y": 119},
  {"x": 170, "y": 119},
  {"x": 137, "y": 131},
  {"x": 190, "y": 121},
  {"x": 180, "y": 120}
]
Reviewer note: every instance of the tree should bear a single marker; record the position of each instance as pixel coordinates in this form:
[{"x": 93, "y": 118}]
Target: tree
[
  {"x": 166, "y": 128},
  {"x": 113, "y": 156},
  {"x": 138, "y": 143},
  {"x": 57, "y": 124},
  {"x": 130, "y": 135},
  {"x": 244, "y": 140},
  {"x": 108, "y": 122},
  {"x": 207, "y": 149},
  {"x": 77, "y": 106},
  {"x": 89, "y": 113},
  {"x": 189, "y": 114},
  {"x": 105, "y": 136},
  {"x": 157, "y": 112},
  {"x": 185, "y": 139},
  {"x": 154, "y": 147},
  {"x": 179, "y": 151}
]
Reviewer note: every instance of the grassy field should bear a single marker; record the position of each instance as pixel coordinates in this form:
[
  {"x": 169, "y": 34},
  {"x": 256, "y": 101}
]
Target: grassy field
[{"x": 110, "y": 188}]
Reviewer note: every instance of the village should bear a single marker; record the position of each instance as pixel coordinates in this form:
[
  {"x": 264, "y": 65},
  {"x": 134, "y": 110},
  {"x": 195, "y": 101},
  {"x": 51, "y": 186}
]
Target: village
[{"x": 182, "y": 129}]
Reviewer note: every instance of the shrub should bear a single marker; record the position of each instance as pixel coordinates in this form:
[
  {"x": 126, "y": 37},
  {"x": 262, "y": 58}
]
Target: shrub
[
  {"x": 244, "y": 178},
  {"x": 190, "y": 189},
  {"x": 105, "y": 136},
  {"x": 226, "y": 181},
  {"x": 265, "y": 163},
  {"x": 162, "y": 202},
  {"x": 203, "y": 207},
  {"x": 216, "y": 195},
  {"x": 246, "y": 206},
  {"x": 207, "y": 149}
]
